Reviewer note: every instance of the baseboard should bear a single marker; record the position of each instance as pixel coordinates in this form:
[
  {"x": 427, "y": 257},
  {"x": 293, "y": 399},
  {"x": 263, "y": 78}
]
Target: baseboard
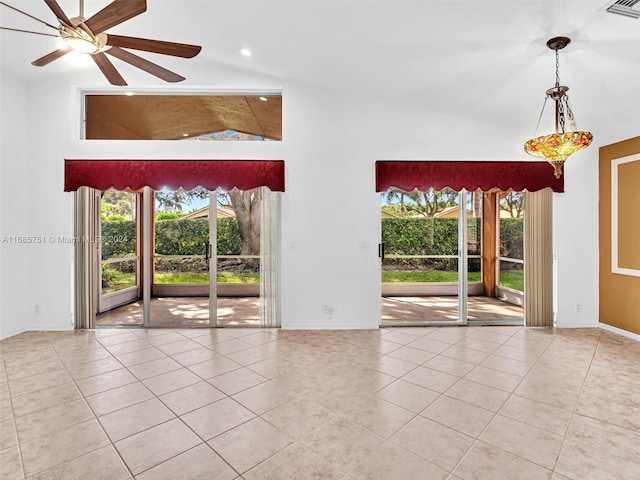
[
  {"x": 585, "y": 325},
  {"x": 35, "y": 328},
  {"x": 12, "y": 333},
  {"x": 332, "y": 326},
  {"x": 619, "y": 331},
  {"x": 49, "y": 328}
]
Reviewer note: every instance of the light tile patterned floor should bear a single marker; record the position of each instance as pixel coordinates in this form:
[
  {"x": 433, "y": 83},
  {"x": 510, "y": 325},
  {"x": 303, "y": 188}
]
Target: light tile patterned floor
[{"x": 411, "y": 403}]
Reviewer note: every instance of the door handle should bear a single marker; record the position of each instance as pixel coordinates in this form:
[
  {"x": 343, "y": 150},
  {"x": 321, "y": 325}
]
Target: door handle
[
  {"x": 207, "y": 251},
  {"x": 381, "y": 251}
]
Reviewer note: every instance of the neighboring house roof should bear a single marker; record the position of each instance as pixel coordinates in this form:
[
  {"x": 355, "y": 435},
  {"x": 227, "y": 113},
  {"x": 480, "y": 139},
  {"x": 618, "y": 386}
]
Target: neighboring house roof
[
  {"x": 506, "y": 214},
  {"x": 389, "y": 214},
  {"x": 449, "y": 212},
  {"x": 204, "y": 213}
]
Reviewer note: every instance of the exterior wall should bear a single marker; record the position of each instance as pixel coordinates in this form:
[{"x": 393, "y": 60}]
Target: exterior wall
[{"x": 620, "y": 280}]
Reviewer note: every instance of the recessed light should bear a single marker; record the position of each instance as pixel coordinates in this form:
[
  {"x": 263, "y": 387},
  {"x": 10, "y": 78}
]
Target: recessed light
[
  {"x": 246, "y": 52},
  {"x": 185, "y": 134},
  {"x": 129, "y": 94},
  {"x": 264, "y": 99}
]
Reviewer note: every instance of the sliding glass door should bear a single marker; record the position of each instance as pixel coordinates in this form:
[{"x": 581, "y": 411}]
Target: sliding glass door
[
  {"x": 206, "y": 258},
  {"x": 445, "y": 259},
  {"x": 189, "y": 258},
  {"x": 118, "y": 245},
  {"x": 421, "y": 259},
  {"x": 182, "y": 258}
]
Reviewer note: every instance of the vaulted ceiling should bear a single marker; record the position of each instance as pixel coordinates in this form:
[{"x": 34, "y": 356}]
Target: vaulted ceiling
[{"x": 483, "y": 60}]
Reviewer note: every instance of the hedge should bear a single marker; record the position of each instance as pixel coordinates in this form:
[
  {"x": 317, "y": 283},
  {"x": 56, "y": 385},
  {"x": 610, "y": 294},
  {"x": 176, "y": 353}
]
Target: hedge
[
  {"x": 173, "y": 237},
  {"x": 426, "y": 236},
  {"x": 401, "y": 236}
]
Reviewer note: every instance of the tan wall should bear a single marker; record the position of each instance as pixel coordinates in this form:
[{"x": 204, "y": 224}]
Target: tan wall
[{"x": 620, "y": 293}]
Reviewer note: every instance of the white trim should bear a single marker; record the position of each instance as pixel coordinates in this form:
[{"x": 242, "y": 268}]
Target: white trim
[
  {"x": 147, "y": 265},
  {"x": 181, "y": 90},
  {"x": 615, "y": 268},
  {"x": 573, "y": 325},
  {"x": 13, "y": 332},
  {"x": 333, "y": 326},
  {"x": 37, "y": 328},
  {"x": 619, "y": 331},
  {"x": 213, "y": 258}
]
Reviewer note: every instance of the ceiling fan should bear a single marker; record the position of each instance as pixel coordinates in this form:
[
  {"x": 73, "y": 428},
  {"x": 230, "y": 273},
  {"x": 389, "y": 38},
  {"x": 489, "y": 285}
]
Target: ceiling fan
[{"x": 88, "y": 36}]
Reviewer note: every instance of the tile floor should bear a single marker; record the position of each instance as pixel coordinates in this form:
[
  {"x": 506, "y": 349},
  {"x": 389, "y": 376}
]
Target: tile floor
[{"x": 406, "y": 403}]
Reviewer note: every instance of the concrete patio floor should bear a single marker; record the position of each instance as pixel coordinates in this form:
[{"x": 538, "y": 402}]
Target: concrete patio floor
[{"x": 245, "y": 311}]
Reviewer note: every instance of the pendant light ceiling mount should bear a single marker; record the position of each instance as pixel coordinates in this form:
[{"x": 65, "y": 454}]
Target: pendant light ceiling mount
[
  {"x": 558, "y": 146},
  {"x": 558, "y": 43}
]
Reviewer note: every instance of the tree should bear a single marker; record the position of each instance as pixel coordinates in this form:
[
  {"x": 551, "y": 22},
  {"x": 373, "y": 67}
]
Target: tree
[
  {"x": 172, "y": 201},
  {"x": 513, "y": 202},
  {"x": 246, "y": 206},
  {"x": 115, "y": 202},
  {"x": 418, "y": 203},
  {"x": 392, "y": 195}
]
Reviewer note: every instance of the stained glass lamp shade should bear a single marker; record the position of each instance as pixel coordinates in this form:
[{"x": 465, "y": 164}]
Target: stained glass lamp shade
[{"x": 558, "y": 146}]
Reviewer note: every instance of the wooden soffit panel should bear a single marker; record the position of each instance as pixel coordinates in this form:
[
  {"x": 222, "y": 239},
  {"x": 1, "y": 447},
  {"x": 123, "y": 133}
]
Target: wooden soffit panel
[{"x": 173, "y": 117}]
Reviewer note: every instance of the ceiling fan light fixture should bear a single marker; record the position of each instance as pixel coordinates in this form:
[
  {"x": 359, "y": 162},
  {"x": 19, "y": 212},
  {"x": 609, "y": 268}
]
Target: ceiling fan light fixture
[
  {"x": 557, "y": 147},
  {"x": 80, "y": 41}
]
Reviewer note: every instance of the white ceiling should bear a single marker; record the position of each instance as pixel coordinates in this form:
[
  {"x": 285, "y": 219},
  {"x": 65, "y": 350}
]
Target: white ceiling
[{"x": 484, "y": 60}]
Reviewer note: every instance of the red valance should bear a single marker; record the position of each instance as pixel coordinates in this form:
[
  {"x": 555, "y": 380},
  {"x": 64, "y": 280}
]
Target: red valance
[
  {"x": 470, "y": 175},
  {"x": 172, "y": 174}
]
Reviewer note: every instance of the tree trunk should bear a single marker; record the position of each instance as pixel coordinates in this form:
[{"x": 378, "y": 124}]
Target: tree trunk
[{"x": 246, "y": 206}]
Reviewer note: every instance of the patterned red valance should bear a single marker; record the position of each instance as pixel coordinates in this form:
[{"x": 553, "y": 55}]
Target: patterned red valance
[
  {"x": 172, "y": 174},
  {"x": 470, "y": 175}
]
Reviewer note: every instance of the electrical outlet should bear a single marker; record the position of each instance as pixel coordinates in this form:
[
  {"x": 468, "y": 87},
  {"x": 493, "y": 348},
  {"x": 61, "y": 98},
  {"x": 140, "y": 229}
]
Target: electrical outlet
[
  {"x": 578, "y": 307},
  {"x": 36, "y": 309},
  {"x": 327, "y": 309}
]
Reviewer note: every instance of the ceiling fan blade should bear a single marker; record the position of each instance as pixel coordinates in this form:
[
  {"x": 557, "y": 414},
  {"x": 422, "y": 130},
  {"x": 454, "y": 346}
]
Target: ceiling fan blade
[
  {"x": 57, "y": 11},
  {"x": 147, "y": 66},
  {"x": 114, "y": 14},
  {"x": 42, "y": 61},
  {"x": 107, "y": 68},
  {"x": 155, "y": 46},
  {"x": 28, "y": 15}
]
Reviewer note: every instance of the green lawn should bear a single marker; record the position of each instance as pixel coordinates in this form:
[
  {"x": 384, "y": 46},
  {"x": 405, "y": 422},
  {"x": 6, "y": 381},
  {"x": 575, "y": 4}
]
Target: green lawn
[
  {"x": 222, "y": 277},
  {"x": 512, "y": 279},
  {"x": 425, "y": 276},
  {"x": 119, "y": 280},
  {"x": 509, "y": 278}
]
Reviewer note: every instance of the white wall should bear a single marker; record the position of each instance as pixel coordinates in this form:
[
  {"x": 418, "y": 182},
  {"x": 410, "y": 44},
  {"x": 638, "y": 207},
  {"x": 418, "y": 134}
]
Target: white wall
[
  {"x": 14, "y": 203},
  {"x": 576, "y": 241},
  {"x": 330, "y": 144}
]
